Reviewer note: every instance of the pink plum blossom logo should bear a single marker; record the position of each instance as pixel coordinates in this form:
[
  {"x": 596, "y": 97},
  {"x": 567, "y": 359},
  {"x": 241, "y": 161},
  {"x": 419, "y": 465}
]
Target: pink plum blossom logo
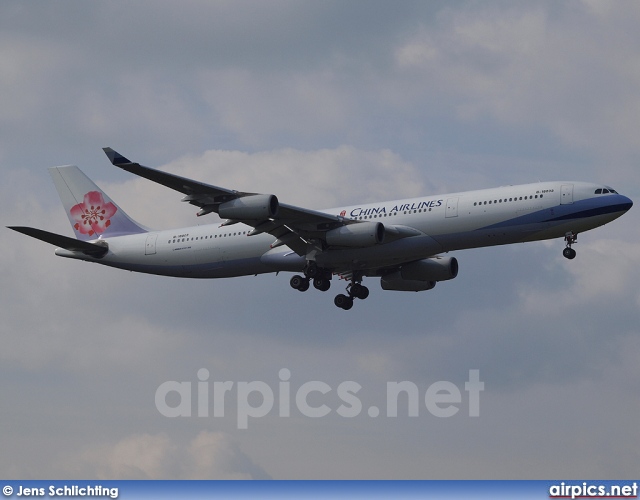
[{"x": 93, "y": 215}]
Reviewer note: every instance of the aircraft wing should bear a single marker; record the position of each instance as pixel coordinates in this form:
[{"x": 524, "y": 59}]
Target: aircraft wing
[
  {"x": 292, "y": 226},
  {"x": 182, "y": 184}
]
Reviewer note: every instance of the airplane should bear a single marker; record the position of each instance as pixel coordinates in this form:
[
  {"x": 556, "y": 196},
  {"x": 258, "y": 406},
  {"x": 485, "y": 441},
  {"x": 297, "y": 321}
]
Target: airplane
[{"x": 402, "y": 242}]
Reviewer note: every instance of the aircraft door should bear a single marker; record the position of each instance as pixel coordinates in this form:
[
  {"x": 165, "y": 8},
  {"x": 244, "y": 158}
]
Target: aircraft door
[
  {"x": 566, "y": 194},
  {"x": 452, "y": 208},
  {"x": 150, "y": 245}
]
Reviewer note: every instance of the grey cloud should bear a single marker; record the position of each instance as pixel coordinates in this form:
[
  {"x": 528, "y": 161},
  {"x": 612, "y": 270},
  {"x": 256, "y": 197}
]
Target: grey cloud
[{"x": 322, "y": 104}]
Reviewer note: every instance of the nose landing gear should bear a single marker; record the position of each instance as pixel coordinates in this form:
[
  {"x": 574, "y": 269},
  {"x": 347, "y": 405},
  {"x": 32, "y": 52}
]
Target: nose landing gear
[{"x": 569, "y": 252}]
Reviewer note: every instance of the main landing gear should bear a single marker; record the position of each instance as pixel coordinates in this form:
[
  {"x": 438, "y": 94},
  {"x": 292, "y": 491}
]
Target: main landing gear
[
  {"x": 322, "y": 281},
  {"x": 355, "y": 290},
  {"x": 569, "y": 252}
]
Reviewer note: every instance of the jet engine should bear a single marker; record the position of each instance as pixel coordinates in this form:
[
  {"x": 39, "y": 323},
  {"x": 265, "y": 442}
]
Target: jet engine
[
  {"x": 421, "y": 275},
  {"x": 254, "y": 207},
  {"x": 434, "y": 269},
  {"x": 363, "y": 234},
  {"x": 394, "y": 281}
]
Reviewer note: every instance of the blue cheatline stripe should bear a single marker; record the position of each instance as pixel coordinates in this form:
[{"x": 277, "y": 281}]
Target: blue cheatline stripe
[
  {"x": 578, "y": 210},
  {"x": 593, "y": 212}
]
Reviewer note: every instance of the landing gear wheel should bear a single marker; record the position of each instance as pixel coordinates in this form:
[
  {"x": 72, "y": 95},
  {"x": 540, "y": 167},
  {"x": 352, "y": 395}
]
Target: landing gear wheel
[
  {"x": 359, "y": 291},
  {"x": 312, "y": 270},
  {"x": 299, "y": 283},
  {"x": 322, "y": 284},
  {"x": 569, "y": 253},
  {"x": 343, "y": 302}
]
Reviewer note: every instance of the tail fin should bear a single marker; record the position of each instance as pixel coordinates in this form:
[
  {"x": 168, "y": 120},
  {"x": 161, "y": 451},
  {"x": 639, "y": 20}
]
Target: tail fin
[{"x": 91, "y": 212}]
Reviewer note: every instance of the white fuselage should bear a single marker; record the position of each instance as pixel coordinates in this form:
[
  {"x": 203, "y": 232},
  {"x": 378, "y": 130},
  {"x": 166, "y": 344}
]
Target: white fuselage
[{"x": 449, "y": 222}]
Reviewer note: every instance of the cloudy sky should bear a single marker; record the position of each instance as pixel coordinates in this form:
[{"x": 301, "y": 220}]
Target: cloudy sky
[{"x": 322, "y": 103}]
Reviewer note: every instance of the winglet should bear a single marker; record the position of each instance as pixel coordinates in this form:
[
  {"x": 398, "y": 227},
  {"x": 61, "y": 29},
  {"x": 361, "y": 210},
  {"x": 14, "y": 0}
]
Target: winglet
[{"x": 115, "y": 157}]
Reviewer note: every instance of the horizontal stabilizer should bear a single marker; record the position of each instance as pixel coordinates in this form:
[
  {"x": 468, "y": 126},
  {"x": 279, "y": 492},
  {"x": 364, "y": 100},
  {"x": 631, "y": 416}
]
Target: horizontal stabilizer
[{"x": 65, "y": 242}]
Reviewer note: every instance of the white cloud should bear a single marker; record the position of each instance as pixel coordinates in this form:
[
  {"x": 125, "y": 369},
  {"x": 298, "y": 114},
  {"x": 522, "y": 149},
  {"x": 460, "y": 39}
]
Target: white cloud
[
  {"x": 606, "y": 272},
  {"x": 209, "y": 455},
  {"x": 314, "y": 179}
]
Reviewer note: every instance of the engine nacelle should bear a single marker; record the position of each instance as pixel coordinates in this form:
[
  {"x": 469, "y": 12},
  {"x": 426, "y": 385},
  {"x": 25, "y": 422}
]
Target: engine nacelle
[
  {"x": 434, "y": 269},
  {"x": 254, "y": 207},
  {"x": 421, "y": 275},
  {"x": 363, "y": 234},
  {"x": 395, "y": 281}
]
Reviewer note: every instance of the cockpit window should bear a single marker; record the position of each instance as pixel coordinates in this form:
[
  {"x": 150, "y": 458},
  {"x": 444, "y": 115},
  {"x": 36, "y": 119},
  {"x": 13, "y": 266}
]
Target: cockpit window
[{"x": 606, "y": 191}]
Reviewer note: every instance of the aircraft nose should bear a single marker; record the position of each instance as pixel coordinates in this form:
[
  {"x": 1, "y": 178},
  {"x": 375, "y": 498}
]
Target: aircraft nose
[{"x": 626, "y": 203}]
